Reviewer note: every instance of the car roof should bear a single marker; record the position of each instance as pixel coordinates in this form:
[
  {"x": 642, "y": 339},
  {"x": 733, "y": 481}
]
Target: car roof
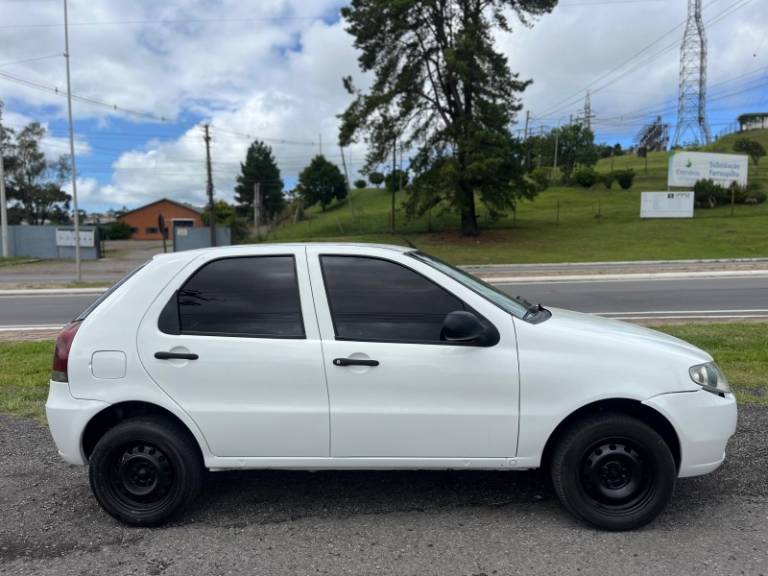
[{"x": 271, "y": 246}]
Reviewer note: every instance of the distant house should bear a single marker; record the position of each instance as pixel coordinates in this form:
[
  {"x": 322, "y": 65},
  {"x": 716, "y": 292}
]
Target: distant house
[
  {"x": 753, "y": 121},
  {"x": 144, "y": 221}
]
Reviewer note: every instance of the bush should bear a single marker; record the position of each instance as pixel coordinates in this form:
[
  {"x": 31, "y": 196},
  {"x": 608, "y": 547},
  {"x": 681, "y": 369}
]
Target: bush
[
  {"x": 625, "y": 178},
  {"x": 608, "y": 179},
  {"x": 360, "y": 184},
  {"x": 116, "y": 231},
  {"x": 707, "y": 194},
  {"x": 541, "y": 177},
  {"x": 586, "y": 177}
]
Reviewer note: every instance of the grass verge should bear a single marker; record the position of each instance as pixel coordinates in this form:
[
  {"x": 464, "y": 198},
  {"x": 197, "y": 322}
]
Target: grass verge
[{"x": 740, "y": 349}]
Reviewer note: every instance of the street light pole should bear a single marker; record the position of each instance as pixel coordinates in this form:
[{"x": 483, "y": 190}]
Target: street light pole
[{"x": 78, "y": 271}]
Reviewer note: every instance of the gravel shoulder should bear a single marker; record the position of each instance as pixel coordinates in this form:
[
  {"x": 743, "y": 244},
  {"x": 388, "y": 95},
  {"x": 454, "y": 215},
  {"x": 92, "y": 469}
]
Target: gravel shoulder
[{"x": 420, "y": 523}]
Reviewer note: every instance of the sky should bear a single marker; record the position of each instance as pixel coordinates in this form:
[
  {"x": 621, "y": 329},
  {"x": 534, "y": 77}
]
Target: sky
[{"x": 272, "y": 70}]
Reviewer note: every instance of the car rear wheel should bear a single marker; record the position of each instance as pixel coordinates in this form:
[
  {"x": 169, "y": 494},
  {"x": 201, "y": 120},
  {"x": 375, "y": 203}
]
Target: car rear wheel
[
  {"x": 145, "y": 470},
  {"x": 613, "y": 471}
]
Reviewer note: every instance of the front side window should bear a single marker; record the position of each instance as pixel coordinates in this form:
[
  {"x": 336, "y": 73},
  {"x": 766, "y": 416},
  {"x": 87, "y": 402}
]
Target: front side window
[
  {"x": 255, "y": 297},
  {"x": 379, "y": 300}
]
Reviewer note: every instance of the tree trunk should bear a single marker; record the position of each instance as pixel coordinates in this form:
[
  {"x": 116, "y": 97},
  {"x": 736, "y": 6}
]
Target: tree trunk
[{"x": 469, "y": 225}]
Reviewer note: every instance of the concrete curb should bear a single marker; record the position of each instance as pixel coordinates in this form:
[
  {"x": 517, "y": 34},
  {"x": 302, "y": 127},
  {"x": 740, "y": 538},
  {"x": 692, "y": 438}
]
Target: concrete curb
[
  {"x": 50, "y": 291},
  {"x": 619, "y": 263},
  {"x": 628, "y": 277}
]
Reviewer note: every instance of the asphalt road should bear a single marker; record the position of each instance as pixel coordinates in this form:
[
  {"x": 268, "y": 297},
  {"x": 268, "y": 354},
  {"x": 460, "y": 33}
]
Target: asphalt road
[
  {"x": 399, "y": 523},
  {"x": 742, "y": 297}
]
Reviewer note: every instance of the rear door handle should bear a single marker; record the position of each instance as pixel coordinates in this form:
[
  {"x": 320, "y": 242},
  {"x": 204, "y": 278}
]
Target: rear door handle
[
  {"x": 176, "y": 356},
  {"x": 354, "y": 362}
]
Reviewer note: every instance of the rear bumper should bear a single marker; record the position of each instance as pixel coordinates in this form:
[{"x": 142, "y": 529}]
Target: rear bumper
[
  {"x": 67, "y": 418},
  {"x": 704, "y": 422}
]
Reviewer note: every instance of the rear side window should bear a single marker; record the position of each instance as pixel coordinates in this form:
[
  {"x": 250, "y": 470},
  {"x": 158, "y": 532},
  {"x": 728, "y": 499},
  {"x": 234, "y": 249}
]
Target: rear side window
[
  {"x": 255, "y": 297},
  {"x": 379, "y": 300}
]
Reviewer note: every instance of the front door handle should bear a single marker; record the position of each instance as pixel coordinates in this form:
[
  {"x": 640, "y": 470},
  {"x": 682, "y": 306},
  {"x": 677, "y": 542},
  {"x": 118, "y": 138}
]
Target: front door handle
[
  {"x": 176, "y": 356},
  {"x": 354, "y": 362}
]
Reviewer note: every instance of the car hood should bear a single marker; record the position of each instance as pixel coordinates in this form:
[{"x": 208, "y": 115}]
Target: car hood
[{"x": 586, "y": 325}]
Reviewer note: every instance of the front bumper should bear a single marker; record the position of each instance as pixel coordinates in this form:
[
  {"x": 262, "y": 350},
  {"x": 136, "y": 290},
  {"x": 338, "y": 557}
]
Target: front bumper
[
  {"x": 704, "y": 422},
  {"x": 67, "y": 419}
]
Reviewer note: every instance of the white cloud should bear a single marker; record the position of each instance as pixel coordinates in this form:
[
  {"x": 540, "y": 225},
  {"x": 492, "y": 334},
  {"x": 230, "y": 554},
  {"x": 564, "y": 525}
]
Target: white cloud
[{"x": 282, "y": 78}]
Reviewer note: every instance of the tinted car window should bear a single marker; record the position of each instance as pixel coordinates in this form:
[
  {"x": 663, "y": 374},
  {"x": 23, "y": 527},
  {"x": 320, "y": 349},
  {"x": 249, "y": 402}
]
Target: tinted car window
[
  {"x": 379, "y": 300},
  {"x": 248, "y": 296}
]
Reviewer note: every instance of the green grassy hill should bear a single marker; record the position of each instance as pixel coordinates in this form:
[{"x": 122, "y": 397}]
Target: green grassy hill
[{"x": 562, "y": 224}]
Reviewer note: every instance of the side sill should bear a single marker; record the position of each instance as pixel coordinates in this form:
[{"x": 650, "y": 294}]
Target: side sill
[{"x": 215, "y": 463}]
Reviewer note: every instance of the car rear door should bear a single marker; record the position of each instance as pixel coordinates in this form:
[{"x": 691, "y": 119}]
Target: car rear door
[
  {"x": 424, "y": 398},
  {"x": 235, "y": 343}
]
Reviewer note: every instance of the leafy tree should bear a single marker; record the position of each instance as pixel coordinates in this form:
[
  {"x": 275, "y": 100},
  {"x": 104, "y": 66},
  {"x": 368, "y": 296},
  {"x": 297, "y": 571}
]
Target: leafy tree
[
  {"x": 541, "y": 176},
  {"x": 360, "y": 184},
  {"x": 226, "y": 215},
  {"x": 321, "y": 182},
  {"x": 33, "y": 184},
  {"x": 443, "y": 90},
  {"x": 259, "y": 166},
  {"x": 576, "y": 145},
  {"x": 752, "y": 148},
  {"x": 376, "y": 178},
  {"x": 401, "y": 177}
]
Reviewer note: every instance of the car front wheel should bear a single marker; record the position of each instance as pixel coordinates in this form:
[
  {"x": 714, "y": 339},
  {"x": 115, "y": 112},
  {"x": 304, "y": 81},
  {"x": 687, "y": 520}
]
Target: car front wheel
[
  {"x": 145, "y": 470},
  {"x": 613, "y": 471}
]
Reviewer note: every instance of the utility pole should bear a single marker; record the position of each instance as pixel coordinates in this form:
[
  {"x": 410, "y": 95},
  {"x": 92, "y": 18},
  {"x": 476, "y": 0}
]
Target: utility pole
[
  {"x": 320, "y": 143},
  {"x": 394, "y": 167},
  {"x": 3, "y": 210},
  {"x": 211, "y": 210},
  {"x": 78, "y": 271},
  {"x": 257, "y": 208},
  {"x": 3, "y": 207},
  {"x": 527, "y": 145},
  {"x": 527, "y": 121},
  {"x": 557, "y": 134}
]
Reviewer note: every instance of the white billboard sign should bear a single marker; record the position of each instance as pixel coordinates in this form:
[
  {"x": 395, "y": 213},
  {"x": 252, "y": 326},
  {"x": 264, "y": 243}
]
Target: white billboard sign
[
  {"x": 666, "y": 205},
  {"x": 66, "y": 237},
  {"x": 687, "y": 168}
]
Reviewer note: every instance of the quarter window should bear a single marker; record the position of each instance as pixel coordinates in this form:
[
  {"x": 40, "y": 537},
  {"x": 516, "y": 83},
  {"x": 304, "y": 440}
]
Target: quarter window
[
  {"x": 378, "y": 300},
  {"x": 245, "y": 296}
]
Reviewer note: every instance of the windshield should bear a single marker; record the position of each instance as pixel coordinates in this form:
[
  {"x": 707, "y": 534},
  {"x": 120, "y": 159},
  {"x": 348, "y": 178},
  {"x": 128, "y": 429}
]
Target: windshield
[{"x": 504, "y": 301}]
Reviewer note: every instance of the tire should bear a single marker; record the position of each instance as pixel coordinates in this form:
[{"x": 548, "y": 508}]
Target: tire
[
  {"x": 613, "y": 471},
  {"x": 145, "y": 470}
]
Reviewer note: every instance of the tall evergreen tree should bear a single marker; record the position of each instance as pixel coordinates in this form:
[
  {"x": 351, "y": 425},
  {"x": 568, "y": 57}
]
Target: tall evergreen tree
[
  {"x": 259, "y": 166},
  {"x": 441, "y": 89}
]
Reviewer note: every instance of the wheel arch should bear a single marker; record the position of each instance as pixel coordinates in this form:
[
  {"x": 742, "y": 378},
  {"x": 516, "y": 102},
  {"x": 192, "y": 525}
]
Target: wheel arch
[
  {"x": 635, "y": 408},
  {"x": 112, "y": 415}
]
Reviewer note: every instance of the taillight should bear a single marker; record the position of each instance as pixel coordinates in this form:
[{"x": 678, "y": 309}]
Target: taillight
[{"x": 61, "y": 352}]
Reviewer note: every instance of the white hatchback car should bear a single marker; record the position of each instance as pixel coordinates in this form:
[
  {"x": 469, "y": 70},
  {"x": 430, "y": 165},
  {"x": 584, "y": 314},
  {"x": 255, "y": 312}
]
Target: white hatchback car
[{"x": 344, "y": 356}]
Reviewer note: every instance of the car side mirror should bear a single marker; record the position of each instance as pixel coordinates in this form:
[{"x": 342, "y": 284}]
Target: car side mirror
[{"x": 464, "y": 327}]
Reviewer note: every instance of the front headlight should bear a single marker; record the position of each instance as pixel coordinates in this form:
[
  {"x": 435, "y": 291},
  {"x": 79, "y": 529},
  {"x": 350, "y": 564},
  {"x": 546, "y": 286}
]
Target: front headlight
[{"x": 709, "y": 377}]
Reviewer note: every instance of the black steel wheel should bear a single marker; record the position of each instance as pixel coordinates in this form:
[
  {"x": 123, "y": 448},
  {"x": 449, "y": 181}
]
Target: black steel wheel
[
  {"x": 613, "y": 471},
  {"x": 144, "y": 470}
]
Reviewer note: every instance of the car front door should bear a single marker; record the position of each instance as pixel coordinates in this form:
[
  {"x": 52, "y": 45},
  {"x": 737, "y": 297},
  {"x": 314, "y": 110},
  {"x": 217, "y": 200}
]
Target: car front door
[
  {"x": 234, "y": 342},
  {"x": 424, "y": 397}
]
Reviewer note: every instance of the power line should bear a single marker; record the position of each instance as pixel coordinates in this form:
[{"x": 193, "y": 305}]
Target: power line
[
  {"x": 167, "y": 21},
  {"x": 577, "y": 96},
  {"x": 26, "y": 60},
  {"x": 85, "y": 99}
]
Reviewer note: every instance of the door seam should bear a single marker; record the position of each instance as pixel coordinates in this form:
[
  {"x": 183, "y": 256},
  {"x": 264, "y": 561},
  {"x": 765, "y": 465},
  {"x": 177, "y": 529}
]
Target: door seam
[{"x": 322, "y": 347}]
